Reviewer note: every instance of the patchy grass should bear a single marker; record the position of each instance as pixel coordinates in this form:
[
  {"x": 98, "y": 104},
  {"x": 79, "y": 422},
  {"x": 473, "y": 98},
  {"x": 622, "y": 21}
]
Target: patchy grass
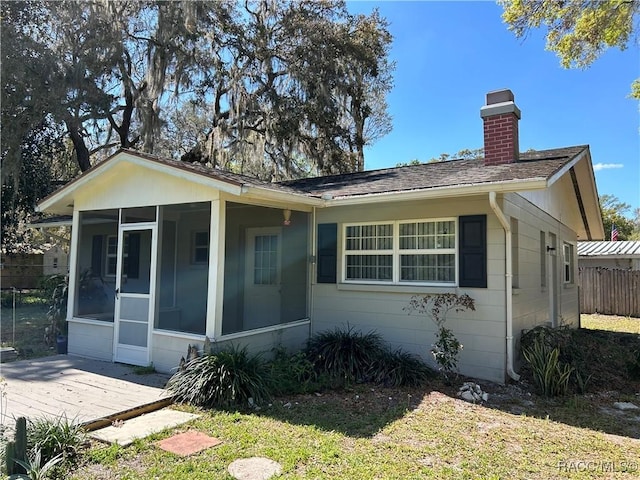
[
  {"x": 400, "y": 433},
  {"x": 612, "y": 323},
  {"x": 370, "y": 432},
  {"x": 30, "y": 322}
]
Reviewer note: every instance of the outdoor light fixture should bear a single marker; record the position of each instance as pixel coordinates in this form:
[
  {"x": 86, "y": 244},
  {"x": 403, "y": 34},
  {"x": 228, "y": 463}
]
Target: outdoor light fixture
[{"x": 287, "y": 217}]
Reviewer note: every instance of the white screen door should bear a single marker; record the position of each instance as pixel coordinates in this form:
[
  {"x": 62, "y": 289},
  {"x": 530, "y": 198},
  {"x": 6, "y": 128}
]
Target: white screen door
[
  {"x": 262, "y": 277},
  {"x": 135, "y": 287}
]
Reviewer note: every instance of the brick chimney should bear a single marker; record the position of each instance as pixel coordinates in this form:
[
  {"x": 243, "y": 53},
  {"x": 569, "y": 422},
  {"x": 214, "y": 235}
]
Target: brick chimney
[{"x": 500, "y": 116}]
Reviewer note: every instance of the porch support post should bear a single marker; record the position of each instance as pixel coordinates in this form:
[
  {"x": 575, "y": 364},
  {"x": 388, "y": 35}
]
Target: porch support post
[
  {"x": 215, "y": 293},
  {"x": 73, "y": 263}
]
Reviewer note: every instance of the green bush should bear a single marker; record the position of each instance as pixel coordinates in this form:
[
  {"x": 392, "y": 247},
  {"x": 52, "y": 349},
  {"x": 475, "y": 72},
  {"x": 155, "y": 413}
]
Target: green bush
[
  {"x": 291, "y": 374},
  {"x": 398, "y": 368},
  {"x": 228, "y": 378},
  {"x": 345, "y": 355},
  {"x": 549, "y": 374},
  {"x": 56, "y": 437}
]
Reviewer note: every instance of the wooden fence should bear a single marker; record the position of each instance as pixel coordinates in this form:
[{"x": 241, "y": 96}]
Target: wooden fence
[{"x": 610, "y": 292}]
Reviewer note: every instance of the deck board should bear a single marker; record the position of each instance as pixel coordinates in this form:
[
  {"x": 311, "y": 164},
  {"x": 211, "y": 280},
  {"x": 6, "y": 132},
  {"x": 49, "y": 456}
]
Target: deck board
[{"x": 82, "y": 389}]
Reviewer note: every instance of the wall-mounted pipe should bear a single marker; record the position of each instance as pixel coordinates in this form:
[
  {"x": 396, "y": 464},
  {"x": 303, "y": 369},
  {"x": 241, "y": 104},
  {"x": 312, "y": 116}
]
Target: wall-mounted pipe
[{"x": 508, "y": 283}]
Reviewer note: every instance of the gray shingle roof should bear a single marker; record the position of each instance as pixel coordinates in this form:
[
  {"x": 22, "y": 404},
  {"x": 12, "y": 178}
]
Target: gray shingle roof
[{"x": 538, "y": 165}]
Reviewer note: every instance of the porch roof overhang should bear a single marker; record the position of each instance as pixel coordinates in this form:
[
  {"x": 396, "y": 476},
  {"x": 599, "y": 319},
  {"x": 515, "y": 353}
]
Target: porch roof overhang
[{"x": 61, "y": 202}]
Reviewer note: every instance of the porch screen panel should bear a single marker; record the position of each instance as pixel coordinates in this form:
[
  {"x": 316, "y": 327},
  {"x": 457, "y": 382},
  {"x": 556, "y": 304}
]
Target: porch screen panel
[
  {"x": 133, "y": 333},
  {"x": 94, "y": 297},
  {"x": 182, "y": 279}
]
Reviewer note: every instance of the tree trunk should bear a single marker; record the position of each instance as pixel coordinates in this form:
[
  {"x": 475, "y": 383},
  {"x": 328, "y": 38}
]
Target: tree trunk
[{"x": 82, "y": 152}]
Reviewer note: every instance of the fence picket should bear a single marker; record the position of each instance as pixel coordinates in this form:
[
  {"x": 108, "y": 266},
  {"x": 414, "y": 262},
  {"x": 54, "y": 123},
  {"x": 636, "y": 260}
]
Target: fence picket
[{"x": 611, "y": 292}]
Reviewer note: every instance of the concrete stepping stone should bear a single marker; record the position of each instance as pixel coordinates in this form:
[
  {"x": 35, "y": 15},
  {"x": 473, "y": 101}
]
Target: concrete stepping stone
[
  {"x": 188, "y": 443},
  {"x": 254, "y": 468},
  {"x": 125, "y": 432}
]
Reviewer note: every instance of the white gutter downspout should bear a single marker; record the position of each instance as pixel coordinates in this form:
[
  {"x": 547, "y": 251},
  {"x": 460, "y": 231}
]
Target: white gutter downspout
[
  {"x": 313, "y": 266},
  {"x": 508, "y": 283}
]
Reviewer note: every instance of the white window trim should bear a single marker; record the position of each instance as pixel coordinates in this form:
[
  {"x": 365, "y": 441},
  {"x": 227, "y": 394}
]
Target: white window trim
[
  {"x": 395, "y": 252},
  {"x": 568, "y": 261}
]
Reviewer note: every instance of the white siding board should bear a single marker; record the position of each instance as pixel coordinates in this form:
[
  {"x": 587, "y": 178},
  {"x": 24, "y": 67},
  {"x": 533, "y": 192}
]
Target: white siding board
[
  {"x": 482, "y": 332},
  {"x": 167, "y": 350},
  {"x": 128, "y": 185},
  {"x": 91, "y": 340}
]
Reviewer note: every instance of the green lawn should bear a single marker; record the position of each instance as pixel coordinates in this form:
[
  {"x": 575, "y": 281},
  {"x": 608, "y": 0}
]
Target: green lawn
[
  {"x": 375, "y": 433},
  {"x": 612, "y": 323},
  {"x": 30, "y": 322},
  {"x": 371, "y": 433}
]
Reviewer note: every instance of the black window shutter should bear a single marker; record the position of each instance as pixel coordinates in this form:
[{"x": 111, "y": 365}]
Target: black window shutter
[
  {"x": 473, "y": 251},
  {"x": 133, "y": 259},
  {"x": 327, "y": 257},
  {"x": 96, "y": 255}
]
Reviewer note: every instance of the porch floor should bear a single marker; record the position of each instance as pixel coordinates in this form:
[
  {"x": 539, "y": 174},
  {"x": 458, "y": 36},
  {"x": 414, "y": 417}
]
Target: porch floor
[{"x": 84, "y": 390}]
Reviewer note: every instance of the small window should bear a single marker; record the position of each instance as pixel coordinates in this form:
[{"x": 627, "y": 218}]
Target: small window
[
  {"x": 200, "y": 248},
  {"x": 55, "y": 262},
  {"x": 568, "y": 262},
  {"x": 111, "y": 262},
  {"x": 112, "y": 255},
  {"x": 265, "y": 268}
]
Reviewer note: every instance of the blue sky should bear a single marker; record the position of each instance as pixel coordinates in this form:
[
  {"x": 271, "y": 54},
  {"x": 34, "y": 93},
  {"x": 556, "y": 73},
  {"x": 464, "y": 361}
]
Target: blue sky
[{"x": 450, "y": 54}]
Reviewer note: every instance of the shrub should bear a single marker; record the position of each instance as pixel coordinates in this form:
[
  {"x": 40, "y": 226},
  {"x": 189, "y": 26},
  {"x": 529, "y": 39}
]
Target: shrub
[
  {"x": 228, "y": 378},
  {"x": 58, "y": 285},
  {"x": 53, "y": 438},
  {"x": 291, "y": 374},
  {"x": 549, "y": 374},
  {"x": 398, "y": 368},
  {"x": 447, "y": 347},
  {"x": 345, "y": 355}
]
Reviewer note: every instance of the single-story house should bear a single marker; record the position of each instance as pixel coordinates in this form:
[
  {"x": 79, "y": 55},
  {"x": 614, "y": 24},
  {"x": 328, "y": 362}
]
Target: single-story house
[
  {"x": 620, "y": 255},
  {"x": 165, "y": 253}
]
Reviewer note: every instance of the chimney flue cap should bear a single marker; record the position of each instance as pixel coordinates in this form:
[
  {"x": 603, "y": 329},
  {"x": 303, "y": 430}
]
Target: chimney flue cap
[{"x": 500, "y": 96}]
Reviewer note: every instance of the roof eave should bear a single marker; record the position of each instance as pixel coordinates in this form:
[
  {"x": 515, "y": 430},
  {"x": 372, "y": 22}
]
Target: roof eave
[
  {"x": 254, "y": 191},
  {"x": 442, "y": 192},
  {"x": 59, "y": 201}
]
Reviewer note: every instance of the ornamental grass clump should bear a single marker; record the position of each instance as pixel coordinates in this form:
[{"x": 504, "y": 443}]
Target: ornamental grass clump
[
  {"x": 228, "y": 378},
  {"x": 549, "y": 374},
  {"x": 58, "y": 437},
  {"x": 291, "y": 374},
  {"x": 400, "y": 369},
  {"x": 344, "y": 355}
]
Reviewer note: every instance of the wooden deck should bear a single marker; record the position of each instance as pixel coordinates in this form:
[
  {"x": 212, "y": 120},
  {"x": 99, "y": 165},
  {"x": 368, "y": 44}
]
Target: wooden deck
[{"x": 82, "y": 389}]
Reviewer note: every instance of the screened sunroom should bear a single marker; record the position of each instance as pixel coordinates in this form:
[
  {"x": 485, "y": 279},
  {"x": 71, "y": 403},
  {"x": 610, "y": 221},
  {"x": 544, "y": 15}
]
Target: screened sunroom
[{"x": 160, "y": 262}]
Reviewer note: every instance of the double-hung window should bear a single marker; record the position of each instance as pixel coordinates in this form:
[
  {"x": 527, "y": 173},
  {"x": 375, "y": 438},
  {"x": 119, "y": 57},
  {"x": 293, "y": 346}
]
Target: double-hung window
[
  {"x": 567, "y": 251},
  {"x": 369, "y": 252},
  {"x": 415, "y": 251}
]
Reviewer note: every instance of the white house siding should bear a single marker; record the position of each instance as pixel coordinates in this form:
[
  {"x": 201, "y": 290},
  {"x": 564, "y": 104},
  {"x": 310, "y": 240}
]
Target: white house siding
[
  {"x": 91, "y": 340},
  {"x": 558, "y": 202},
  {"x": 381, "y": 308},
  {"x": 167, "y": 349},
  {"x": 531, "y": 300},
  {"x": 128, "y": 185}
]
